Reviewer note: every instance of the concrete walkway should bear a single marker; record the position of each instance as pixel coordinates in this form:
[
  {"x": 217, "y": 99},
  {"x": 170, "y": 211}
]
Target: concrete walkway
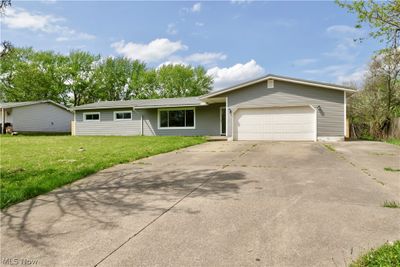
[{"x": 216, "y": 204}]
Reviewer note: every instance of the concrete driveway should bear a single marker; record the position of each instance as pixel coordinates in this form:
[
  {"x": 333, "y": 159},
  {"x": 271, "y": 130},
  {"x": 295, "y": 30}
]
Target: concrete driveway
[{"x": 216, "y": 204}]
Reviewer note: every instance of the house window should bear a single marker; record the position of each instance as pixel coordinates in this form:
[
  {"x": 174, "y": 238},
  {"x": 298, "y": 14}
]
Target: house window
[
  {"x": 122, "y": 115},
  {"x": 176, "y": 118},
  {"x": 91, "y": 116}
]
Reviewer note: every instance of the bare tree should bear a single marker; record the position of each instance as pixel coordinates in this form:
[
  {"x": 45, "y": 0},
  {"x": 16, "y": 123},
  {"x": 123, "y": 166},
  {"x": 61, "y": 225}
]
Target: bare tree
[
  {"x": 3, "y": 5},
  {"x": 6, "y": 46}
]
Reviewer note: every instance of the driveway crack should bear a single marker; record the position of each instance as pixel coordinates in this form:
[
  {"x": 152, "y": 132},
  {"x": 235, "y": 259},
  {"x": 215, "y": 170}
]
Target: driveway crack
[
  {"x": 175, "y": 204},
  {"x": 158, "y": 217}
]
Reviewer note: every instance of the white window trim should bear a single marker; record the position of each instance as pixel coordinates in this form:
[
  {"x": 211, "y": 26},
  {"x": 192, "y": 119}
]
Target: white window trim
[
  {"x": 176, "y": 128},
  {"x": 122, "y": 111},
  {"x": 87, "y": 113}
]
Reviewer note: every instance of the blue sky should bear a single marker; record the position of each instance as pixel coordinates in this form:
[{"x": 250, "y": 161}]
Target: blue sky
[{"x": 234, "y": 40}]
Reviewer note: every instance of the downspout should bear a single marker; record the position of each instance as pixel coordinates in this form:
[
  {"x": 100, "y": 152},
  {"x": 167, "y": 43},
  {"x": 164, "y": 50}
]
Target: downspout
[
  {"x": 141, "y": 120},
  {"x": 73, "y": 130},
  {"x": 232, "y": 112},
  {"x": 2, "y": 120},
  {"x": 141, "y": 124}
]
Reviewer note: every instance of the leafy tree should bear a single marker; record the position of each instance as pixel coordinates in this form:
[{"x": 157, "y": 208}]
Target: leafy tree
[
  {"x": 383, "y": 17},
  {"x": 5, "y": 48},
  {"x": 381, "y": 88},
  {"x": 144, "y": 85},
  {"x": 81, "y": 77},
  {"x": 180, "y": 80},
  {"x": 28, "y": 75},
  {"x": 111, "y": 78},
  {"x": 80, "y": 70},
  {"x": 370, "y": 108}
]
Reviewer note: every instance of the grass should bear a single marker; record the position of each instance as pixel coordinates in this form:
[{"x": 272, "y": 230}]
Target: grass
[
  {"x": 394, "y": 141},
  {"x": 389, "y": 169},
  {"x": 391, "y": 204},
  {"x": 387, "y": 255},
  {"x": 33, "y": 165},
  {"x": 330, "y": 147}
]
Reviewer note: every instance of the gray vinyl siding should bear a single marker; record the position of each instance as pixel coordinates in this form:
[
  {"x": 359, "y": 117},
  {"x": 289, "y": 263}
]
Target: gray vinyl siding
[
  {"x": 330, "y": 119},
  {"x": 207, "y": 123},
  {"x": 44, "y": 117},
  {"x": 107, "y": 125}
]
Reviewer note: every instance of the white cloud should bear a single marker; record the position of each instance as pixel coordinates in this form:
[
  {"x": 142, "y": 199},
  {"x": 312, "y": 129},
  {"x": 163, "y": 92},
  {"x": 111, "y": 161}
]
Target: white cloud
[
  {"x": 342, "y": 29},
  {"x": 196, "y": 7},
  {"x": 20, "y": 19},
  {"x": 172, "y": 62},
  {"x": 224, "y": 77},
  {"x": 171, "y": 29},
  {"x": 345, "y": 46},
  {"x": 356, "y": 77},
  {"x": 154, "y": 51},
  {"x": 332, "y": 70},
  {"x": 24, "y": 20},
  {"x": 343, "y": 51},
  {"x": 341, "y": 73},
  {"x": 199, "y": 24},
  {"x": 205, "y": 58},
  {"x": 304, "y": 62}
]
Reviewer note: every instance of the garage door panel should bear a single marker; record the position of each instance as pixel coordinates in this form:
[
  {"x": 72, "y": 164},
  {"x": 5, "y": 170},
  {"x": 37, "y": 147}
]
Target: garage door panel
[{"x": 287, "y": 123}]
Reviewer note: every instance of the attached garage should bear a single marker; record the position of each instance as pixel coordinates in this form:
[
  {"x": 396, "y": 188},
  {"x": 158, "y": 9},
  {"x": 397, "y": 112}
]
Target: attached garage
[
  {"x": 275, "y": 123},
  {"x": 282, "y": 108}
]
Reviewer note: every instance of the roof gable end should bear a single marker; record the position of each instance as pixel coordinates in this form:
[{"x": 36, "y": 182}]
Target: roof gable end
[
  {"x": 279, "y": 78},
  {"x": 30, "y": 103}
]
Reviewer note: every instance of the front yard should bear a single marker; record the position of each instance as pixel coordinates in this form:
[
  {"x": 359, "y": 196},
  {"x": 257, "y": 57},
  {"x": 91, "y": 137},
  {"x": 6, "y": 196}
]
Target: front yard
[{"x": 33, "y": 165}]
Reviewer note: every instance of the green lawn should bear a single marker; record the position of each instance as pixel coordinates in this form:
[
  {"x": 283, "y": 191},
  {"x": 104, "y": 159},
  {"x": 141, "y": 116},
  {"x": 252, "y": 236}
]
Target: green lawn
[
  {"x": 33, "y": 165},
  {"x": 394, "y": 141},
  {"x": 387, "y": 255}
]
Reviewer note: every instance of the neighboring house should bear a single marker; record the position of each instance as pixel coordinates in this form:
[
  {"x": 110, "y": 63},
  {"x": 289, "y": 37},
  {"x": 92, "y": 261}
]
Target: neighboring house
[
  {"x": 43, "y": 116},
  {"x": 270, "y": 108}
]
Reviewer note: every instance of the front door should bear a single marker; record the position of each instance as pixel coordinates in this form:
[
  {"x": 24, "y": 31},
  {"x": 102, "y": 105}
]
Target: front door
[{"x": 223, "y": 121}]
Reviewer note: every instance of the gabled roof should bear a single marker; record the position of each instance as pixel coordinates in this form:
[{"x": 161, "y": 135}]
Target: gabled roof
[
  {"x": 144, "y": 103},
  {"x": 29, "y": 103},
  {"x": 279, "y": 78},
  {"x": 198, "y": 100}
]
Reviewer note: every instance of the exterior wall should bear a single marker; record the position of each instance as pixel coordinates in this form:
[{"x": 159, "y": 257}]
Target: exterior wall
[
  {"x": 8, "y": 115},
  {"x": 43, "y": 117},
  {"x": 330, "y": 119},
  {"x": 107, "y": 125},
  {"x": 207, "y": 123}
]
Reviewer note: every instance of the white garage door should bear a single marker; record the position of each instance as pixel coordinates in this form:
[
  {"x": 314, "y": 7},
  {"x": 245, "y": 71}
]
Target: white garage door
[{"x": 283, "y": 123}]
